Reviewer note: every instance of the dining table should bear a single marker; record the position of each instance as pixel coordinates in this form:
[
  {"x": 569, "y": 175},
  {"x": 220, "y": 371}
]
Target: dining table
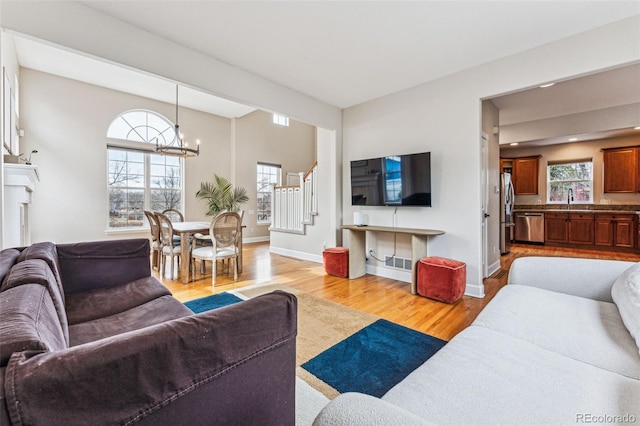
[{"x": 186, "y": 230}]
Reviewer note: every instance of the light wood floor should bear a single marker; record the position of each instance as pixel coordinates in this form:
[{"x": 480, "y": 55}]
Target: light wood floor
[{"x": 385, "y": 298}]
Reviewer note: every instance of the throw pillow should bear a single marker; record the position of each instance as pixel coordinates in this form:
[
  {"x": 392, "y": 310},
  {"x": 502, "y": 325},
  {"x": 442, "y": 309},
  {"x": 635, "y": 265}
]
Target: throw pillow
[{"x": 625, "y": 293}]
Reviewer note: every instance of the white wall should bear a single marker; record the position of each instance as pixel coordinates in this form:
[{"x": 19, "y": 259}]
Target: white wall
[
  {"x": 67, "y": 121},
  {"x": 77, "y": 27},
  {"x": 444, "y": 117},
  {"x": 257, "y": 138},
  {"x": 324, "y": 231}
]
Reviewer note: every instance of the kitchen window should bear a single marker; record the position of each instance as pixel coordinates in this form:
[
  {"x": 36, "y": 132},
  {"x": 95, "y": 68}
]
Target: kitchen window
[{"x": 576, "y": 175}]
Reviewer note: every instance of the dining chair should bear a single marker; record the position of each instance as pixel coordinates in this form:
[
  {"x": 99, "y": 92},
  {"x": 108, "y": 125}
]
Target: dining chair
[
  {"x": 202, "y": 240},
  {"x": 156, "y": 244},
  {"x": 174, "y": 215},
  {"x": 225, "y": 233},
  {"x": 170, "y": 248}
]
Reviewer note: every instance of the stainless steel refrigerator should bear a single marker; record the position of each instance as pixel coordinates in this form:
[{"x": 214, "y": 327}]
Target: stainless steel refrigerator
[{"x": 507, "y": 199}]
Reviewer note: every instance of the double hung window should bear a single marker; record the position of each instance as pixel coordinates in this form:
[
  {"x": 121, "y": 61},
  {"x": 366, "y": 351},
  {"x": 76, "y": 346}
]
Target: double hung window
[
  {"x": 576, "y": 175},
  {"x": 137, "y": 178},
  {"x": 267, "y": 176}
]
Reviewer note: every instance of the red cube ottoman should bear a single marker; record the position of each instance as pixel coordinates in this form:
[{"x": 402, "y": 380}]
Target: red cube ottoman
[
  {"x": 336, "y": 261},
  {"x": 441, "y": 279}
]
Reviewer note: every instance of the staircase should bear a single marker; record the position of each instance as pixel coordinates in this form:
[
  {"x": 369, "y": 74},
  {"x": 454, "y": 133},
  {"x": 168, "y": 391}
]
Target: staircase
[{"x": 294, "y": 206}]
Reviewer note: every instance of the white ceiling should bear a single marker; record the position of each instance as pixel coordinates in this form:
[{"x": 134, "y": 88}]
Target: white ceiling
[{"x": 342, "y": 53}]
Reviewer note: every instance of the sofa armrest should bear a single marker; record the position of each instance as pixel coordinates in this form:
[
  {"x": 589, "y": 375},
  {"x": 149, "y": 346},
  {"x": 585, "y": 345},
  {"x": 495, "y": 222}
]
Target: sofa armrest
[
  {"x": 353, "y": 408},
  {"x": 590, "y": 278},
  {"x": 102, "y": 264},
  {"x": 230, "y": 365}
]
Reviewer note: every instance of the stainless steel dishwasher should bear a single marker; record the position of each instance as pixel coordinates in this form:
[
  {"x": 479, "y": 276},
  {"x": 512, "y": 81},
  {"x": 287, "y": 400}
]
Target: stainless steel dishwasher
[{"x": 530, "y": 227}]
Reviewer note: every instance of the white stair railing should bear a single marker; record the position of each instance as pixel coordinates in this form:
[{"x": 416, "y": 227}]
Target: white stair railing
[{"x": 294, "y": 206}]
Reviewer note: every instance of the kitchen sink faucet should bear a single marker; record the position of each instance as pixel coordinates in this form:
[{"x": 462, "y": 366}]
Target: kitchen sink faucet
[{"x": 569, "y": 198}]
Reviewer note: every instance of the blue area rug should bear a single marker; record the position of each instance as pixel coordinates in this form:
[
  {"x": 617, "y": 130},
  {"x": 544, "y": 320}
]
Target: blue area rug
[
  {"x": 212, "y": 302},
  {"x": 374, "y": 359}
]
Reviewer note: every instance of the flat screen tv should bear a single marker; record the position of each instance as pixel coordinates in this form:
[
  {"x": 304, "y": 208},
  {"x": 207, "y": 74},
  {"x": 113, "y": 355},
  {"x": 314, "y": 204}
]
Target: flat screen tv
[{"x": 396, "y": 180}]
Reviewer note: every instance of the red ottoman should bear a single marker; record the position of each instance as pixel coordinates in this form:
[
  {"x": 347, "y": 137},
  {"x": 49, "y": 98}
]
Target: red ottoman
[
  {"x": 336, "y": 261},
  {"x": 441, "y": 279}
]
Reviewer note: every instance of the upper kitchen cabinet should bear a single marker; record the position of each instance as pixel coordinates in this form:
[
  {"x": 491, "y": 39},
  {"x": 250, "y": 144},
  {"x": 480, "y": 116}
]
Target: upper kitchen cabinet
[
  {"x": 525, "y": 175},
  {"x": 622, "y": 169}
]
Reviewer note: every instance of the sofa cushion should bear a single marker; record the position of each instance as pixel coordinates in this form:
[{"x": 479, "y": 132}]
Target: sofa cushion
[
  {"x": 156, "y": 311},
  {"x": 98, "y": 264},
  {"x": 625, "y": 293},
  {"x": 8, "y": 258},
  {"x": 584, "y": 329},
  {"x": 45, "y": 251},
  {"x": 29, "y": 321},
  {"x": 485, "y": 377},
  {"x": 90, "y": 305},
  {"x": 37, "y": 271}
]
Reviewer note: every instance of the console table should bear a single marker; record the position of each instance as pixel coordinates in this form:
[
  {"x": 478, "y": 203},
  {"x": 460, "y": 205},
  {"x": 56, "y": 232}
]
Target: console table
[{"x": 358, "y": 246}]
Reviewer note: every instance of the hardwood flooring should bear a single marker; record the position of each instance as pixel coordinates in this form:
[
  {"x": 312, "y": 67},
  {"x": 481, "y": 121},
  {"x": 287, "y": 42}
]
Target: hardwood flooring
[{"x": 386, "y": 298}]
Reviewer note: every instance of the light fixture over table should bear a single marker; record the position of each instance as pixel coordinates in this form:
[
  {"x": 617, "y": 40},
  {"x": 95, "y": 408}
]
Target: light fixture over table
[{"x": 177, "y": 147}]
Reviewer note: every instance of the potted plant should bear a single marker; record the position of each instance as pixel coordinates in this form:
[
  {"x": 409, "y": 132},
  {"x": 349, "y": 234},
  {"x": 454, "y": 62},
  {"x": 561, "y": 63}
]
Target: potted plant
[{"x": 221, "y": 195}]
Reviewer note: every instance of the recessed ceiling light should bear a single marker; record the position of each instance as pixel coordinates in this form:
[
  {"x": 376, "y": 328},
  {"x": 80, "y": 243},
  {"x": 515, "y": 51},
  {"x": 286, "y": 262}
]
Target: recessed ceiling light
[
  {"x": 636, "y": 128},
  {"x": 513, "y": 143},
  {"x": 573, "y": 139},
  {"x": 544, "y": 86}
]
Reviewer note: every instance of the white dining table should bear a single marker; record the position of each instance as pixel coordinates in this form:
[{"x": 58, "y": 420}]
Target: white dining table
[{"x": 186, "y": 230}]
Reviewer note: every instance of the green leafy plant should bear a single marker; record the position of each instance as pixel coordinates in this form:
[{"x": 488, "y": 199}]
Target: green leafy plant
[{"x": 221, "y": 195}]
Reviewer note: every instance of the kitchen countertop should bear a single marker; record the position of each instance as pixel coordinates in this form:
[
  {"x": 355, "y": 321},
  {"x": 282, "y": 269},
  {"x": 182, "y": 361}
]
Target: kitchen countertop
[{"x": 606, "y": 209}]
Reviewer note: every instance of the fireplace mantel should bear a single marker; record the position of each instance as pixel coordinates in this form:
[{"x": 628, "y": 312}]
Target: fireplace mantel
[{"x": 19, "y": 184}]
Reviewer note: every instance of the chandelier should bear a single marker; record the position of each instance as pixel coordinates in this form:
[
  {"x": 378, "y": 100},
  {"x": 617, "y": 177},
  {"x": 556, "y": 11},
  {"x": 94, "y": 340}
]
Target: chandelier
[{"x": 177, "y": 147}]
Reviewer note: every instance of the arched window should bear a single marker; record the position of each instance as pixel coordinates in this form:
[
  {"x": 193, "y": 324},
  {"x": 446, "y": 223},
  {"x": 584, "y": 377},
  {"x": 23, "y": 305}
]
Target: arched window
[
  {"x": 138, "y": 179},
  {"x": 140, "y": 125}
]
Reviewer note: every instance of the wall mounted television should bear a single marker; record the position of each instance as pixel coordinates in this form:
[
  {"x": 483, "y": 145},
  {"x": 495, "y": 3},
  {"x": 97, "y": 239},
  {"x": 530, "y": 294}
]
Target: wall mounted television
[{"x": 395, "y": 180}]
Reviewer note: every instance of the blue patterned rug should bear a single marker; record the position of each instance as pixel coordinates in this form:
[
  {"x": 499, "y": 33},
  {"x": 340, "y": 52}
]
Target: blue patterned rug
[{"x": 341, "y": 349}]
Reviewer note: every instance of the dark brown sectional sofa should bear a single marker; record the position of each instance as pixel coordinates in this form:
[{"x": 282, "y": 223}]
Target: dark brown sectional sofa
[{"x": 89, "y": 337}]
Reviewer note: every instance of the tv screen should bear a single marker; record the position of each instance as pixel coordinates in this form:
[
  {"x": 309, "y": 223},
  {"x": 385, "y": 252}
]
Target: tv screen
[{"x": 396, "y": 180}]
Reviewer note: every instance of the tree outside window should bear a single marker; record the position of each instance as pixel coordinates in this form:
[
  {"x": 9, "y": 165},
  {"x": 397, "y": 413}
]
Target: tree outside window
[
  {"x": 577, "y": 175},
  {"x": 267, "y": 176},
  {"x": 137, "y": 178}
]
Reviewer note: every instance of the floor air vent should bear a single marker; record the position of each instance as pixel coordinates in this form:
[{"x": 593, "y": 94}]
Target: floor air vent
[{"x": 396, "y": 262}]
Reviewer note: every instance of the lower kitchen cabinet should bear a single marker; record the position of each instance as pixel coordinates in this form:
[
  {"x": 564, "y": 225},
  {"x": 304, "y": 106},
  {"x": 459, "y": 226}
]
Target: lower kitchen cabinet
[
  {"x": 581, "y": 228},
  {"x": 555, "y": 227},
  {"x": 615, "y": 230}
]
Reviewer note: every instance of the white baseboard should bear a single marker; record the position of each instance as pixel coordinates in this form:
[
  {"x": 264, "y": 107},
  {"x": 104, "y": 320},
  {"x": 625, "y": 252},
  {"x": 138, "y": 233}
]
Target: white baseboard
[
  {"x": 255, "y": 239},
  {"x": 296, "y": 254},
  {"x": 494, "y": 267},
  {"x": 474, "y": 290}
]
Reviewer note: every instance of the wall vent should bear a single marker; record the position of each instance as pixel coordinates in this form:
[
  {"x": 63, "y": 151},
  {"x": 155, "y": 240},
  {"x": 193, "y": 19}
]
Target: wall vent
[{"x": 396, "y": 262}]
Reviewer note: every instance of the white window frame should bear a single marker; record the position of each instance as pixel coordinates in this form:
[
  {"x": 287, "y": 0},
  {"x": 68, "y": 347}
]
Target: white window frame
[
  {"x": 570, "y": 183},
  {"x": 281, "y": 120},
  {"x": 141, "y": 139},
  {"x": 264, "y": 186}
]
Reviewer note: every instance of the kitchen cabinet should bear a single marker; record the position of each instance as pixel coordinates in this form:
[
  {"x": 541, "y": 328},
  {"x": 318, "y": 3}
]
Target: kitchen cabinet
[
  {"x": 506, "y": 165},
  {"x": 524, "y": 173},
  {"x": 622, "y": 169},
  {"x": 615, "y": 230},
  {"x": 556, "y": 227},
  {"x": 581, "y": 228}
]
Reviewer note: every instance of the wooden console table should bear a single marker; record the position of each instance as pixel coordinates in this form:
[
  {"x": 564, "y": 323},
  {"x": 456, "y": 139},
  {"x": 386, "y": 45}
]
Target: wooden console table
[{"x": 358, "y": 247}]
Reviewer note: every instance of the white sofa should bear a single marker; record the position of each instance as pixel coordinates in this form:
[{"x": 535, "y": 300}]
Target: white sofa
[{"x": 550, "y": 348}]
